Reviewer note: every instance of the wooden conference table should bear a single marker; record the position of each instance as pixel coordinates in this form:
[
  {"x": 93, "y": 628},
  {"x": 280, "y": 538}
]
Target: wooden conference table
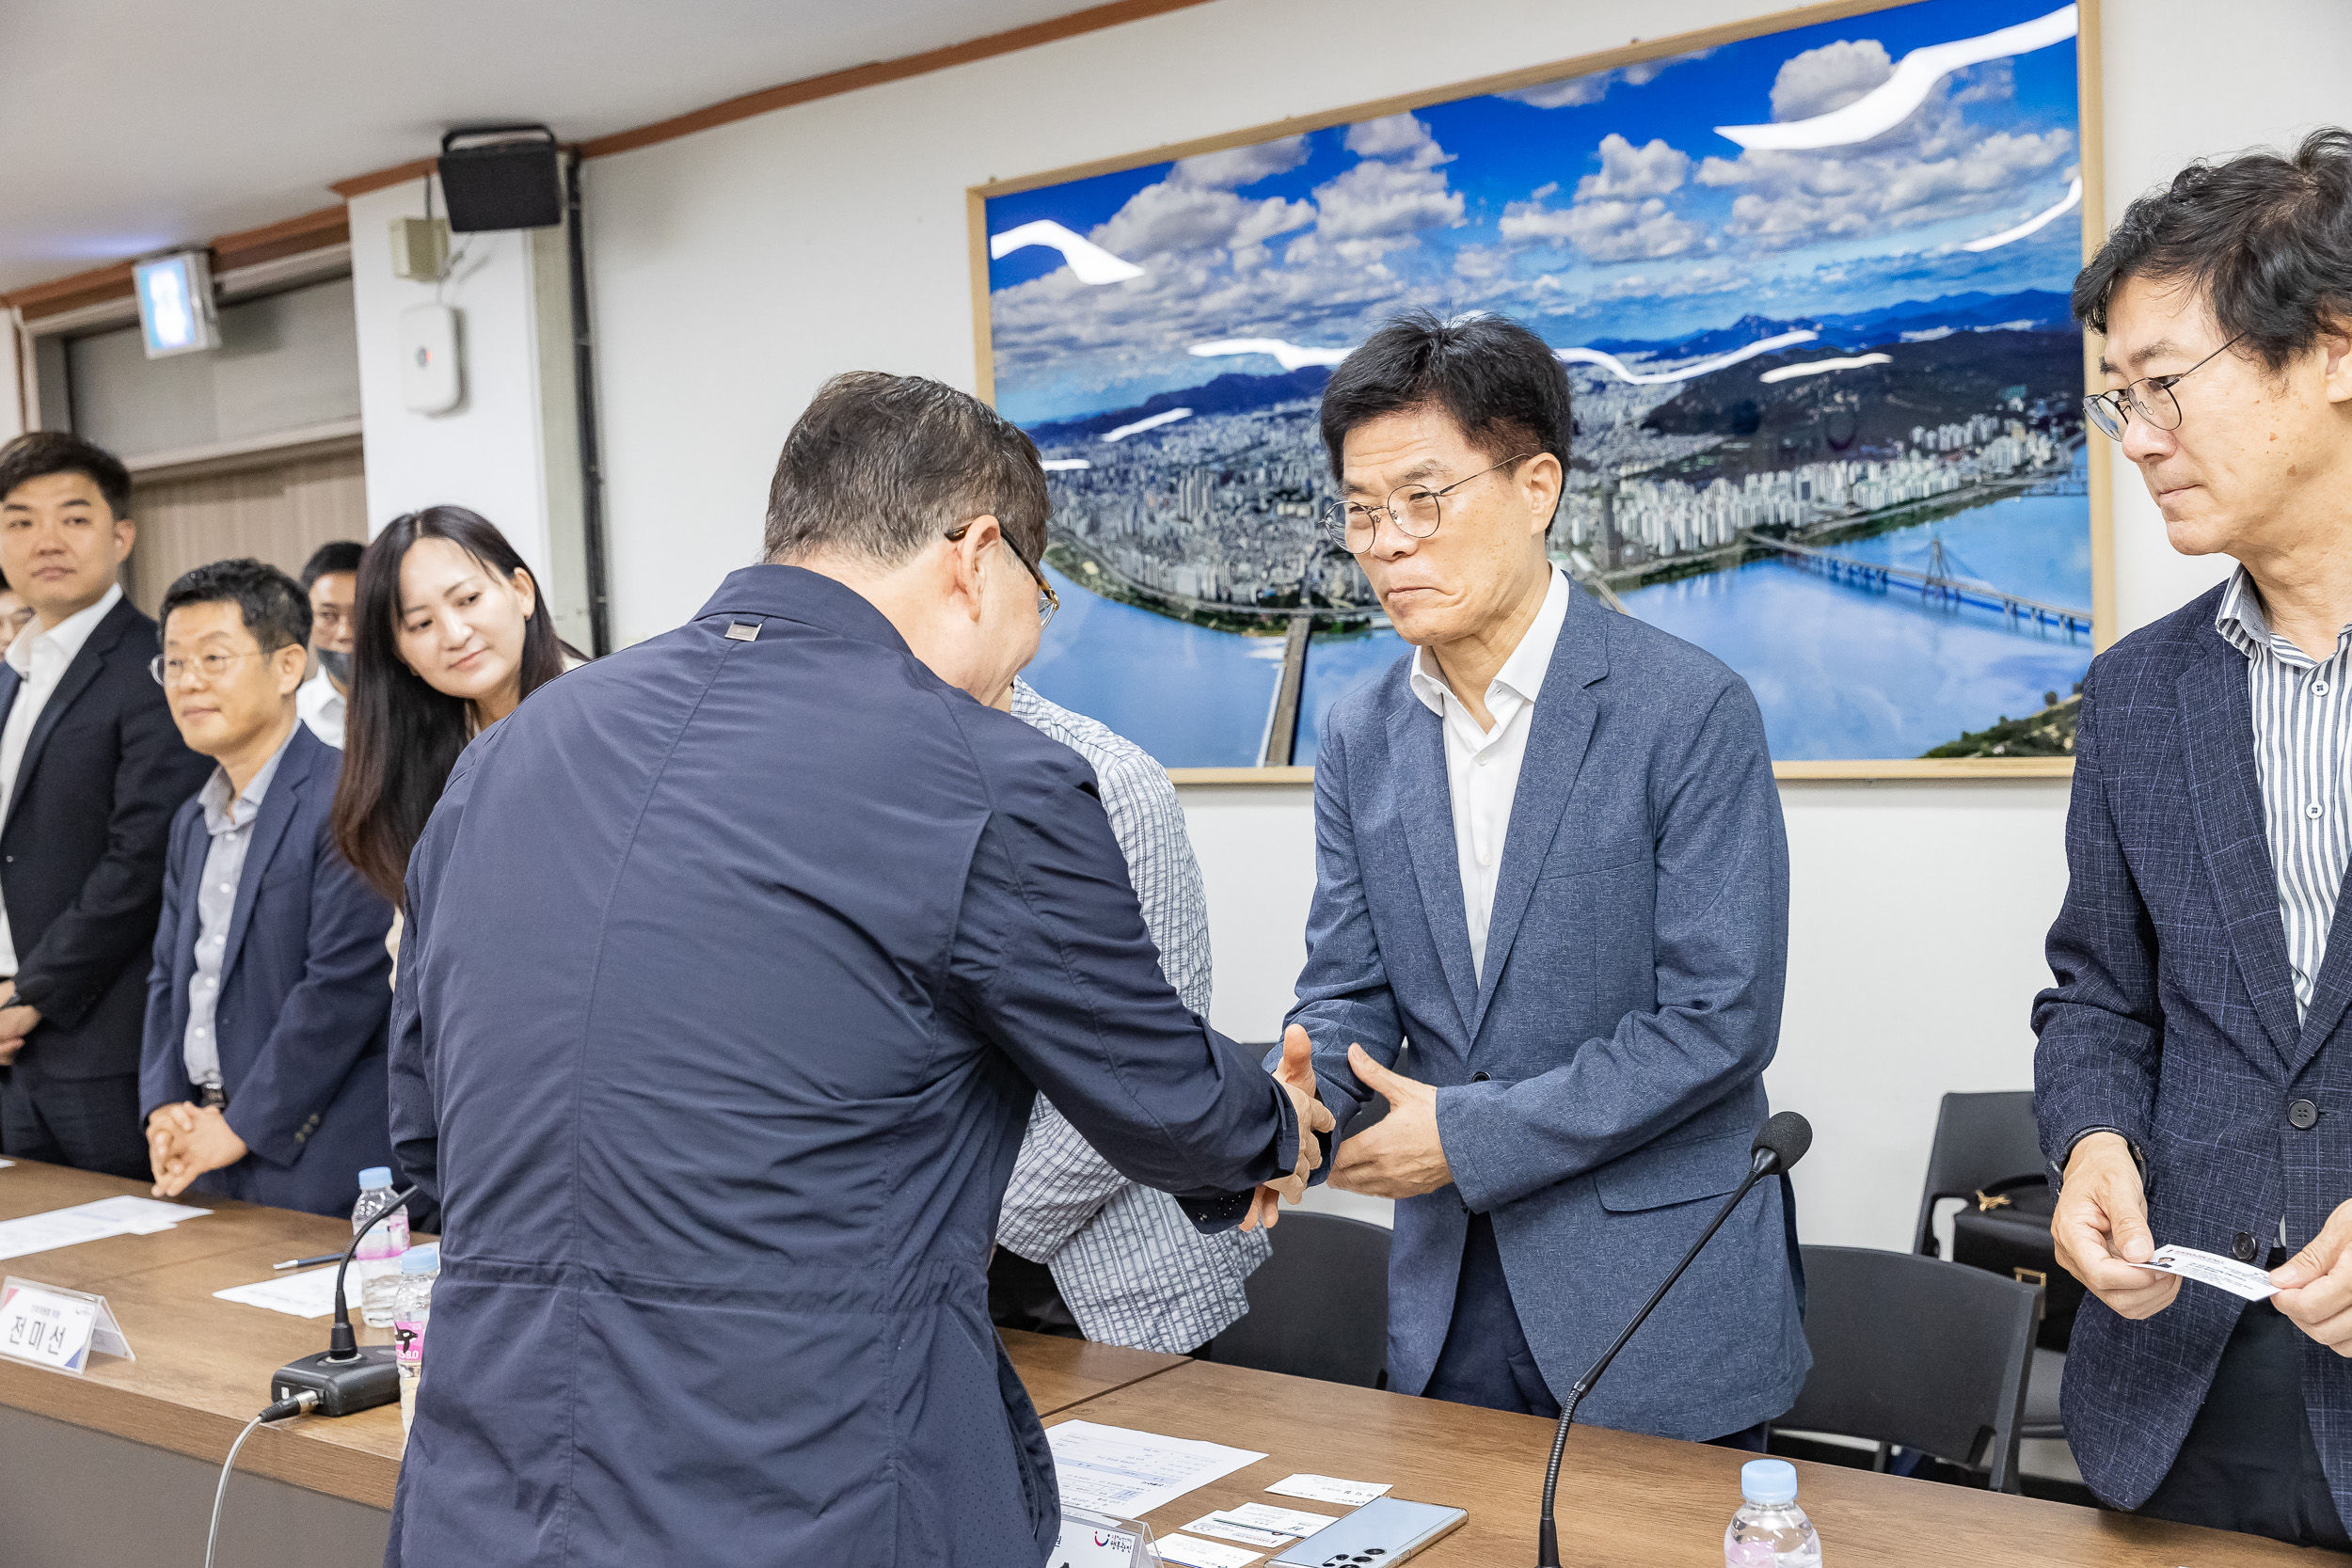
[{"x": 117, "y": 1468}]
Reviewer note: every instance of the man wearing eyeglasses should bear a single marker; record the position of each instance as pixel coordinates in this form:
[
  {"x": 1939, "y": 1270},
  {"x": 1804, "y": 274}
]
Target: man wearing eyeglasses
[
  {"x": 2193, "y": 1083},
  {"x": 1549, "y": 856},
  {"x": 262, "y": 1076},
  {"x": 90, "y": 772},
  {"x": 735, "y": 964}
]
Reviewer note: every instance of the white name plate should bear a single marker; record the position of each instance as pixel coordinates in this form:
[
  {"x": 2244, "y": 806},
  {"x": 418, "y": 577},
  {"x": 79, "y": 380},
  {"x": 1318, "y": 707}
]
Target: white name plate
[{"x": 49, "y": 1325}]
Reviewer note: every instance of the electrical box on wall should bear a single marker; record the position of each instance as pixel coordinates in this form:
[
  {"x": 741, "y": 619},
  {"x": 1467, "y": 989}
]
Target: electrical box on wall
[
  {"x": 420, "y": 248},
  {"x": 431, "y": 380}
]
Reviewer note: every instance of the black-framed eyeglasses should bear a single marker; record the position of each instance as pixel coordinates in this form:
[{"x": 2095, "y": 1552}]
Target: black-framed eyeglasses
[
  {"x": 1047, "y": 600},
  {"x": 2150, "y": 397},
  {"x": 168, "y": 672},
  {"x": 1415, "y": 508}
]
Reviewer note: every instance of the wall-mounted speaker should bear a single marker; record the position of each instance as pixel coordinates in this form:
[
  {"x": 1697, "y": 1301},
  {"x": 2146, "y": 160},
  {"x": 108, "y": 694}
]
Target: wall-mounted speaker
[{"x": 501, "y": 177}]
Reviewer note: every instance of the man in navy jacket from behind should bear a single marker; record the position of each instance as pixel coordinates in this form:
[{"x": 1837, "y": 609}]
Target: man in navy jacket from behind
[
  {"x": 734, "y": 961},
  {"x": 263, "y": 1075}
]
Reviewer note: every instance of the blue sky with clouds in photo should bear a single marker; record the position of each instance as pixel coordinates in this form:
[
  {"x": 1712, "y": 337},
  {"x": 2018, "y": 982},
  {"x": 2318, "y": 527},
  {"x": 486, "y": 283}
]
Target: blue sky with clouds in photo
[{"x": 1599, "y": 207}]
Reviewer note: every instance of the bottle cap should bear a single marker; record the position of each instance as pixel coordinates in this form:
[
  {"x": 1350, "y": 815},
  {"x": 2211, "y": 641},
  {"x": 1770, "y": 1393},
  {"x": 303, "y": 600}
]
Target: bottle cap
[
  {"x": 422, "y": 1259},
  {"x": 375, "y": 1176},
  {"x": 1768, "y": 1480}
]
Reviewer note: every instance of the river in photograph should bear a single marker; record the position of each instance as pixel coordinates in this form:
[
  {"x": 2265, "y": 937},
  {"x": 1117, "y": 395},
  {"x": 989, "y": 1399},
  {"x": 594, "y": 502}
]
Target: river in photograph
[
  {"x": 1191, "y": 696},
  {"x": 1840, "y": 669}
]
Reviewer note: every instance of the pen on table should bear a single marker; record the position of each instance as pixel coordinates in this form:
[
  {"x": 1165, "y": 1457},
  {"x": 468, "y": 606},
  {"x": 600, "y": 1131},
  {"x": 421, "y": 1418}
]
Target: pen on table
[{"x": 306, "y": 1262}]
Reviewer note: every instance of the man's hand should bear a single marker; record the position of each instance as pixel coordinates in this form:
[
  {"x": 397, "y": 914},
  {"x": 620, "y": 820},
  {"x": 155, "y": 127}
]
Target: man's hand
[
  {"x": 1400, "y": 1156},
  {"x": 2315, "y": 1285},
  {"x": 207, "y": 1142},
  {"x": 16, "y": 1021},
  {"x": 167, "y": 1127},
  {"x": 1297, "y": 1077},
  {"x": 2101, "y": 1228}
]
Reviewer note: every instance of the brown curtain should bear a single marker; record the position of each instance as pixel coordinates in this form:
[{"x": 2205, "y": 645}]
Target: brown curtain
[{"x": 278, "y": 512}]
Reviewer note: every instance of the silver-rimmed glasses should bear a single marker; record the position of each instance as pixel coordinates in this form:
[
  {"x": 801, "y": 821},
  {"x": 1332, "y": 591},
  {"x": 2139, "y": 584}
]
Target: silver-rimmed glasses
[
  {"x": 2150, "y": 397},
  {"x": 1415, "y": 508}
]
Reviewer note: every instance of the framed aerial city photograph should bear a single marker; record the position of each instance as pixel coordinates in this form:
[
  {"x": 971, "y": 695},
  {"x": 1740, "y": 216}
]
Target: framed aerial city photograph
[{"x": 1807, "y": 278}]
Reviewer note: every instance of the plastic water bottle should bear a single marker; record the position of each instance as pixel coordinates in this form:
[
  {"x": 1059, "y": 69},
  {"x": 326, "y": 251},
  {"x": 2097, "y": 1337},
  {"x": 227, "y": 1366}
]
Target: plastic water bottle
[
  {"x": 378, "y": 1254},
  {"x": 1770, "y": 1531},
  {"x": 418, "y": 1268}
]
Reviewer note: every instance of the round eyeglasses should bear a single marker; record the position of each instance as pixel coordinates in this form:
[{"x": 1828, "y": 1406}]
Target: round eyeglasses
[
  {"x": 2150, "y": 397},
  {"x": 1415, "y": 508}
]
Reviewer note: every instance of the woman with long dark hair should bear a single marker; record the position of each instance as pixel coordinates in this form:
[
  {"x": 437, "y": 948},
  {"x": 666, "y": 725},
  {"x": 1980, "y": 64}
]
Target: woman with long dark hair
[{"x": 450, "y": 635}]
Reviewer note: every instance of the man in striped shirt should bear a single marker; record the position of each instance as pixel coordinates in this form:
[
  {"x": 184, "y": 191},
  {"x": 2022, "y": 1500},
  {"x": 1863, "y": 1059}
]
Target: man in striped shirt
[
  {"x": 2192, "y": 1082},
  {"x": 1079, "y": 1247}
]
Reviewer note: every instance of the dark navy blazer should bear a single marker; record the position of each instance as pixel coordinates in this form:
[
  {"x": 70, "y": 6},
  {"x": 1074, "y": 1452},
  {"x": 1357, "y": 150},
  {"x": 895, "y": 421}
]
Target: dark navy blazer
[
  {"x": 306, "y": 987},
  {"x": 1601, "y": 1089},
  {"x": 2172, "y": 1019},
  {"x": 733, "y": 965}
]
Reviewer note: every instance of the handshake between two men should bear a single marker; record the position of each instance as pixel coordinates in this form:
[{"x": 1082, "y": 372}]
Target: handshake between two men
[{"x": 1399, "y": 1157}]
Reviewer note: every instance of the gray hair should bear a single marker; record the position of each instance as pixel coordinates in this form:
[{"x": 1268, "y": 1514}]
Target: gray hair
[{"x": 879, "y": 466}]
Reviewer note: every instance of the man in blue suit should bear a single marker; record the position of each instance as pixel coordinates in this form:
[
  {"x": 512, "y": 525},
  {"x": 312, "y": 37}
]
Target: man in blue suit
[
  {"x": 734, "y": 963},
  {"x": 1549, "y": 855},
  {"x": 262, "y": 1076},
  {"x": 2193, "y": 1082}
]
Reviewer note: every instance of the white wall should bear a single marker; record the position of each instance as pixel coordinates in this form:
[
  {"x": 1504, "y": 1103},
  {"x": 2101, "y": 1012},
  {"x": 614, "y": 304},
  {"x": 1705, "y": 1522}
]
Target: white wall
[{"x": 734, "y": 270}]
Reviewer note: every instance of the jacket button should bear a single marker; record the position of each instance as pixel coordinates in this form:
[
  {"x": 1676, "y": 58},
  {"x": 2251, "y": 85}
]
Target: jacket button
[
  {"x": 2303, "y": 1116},
  {"x": 1478, "y": 1078},
  {"x": 2242, "y": 1247}
]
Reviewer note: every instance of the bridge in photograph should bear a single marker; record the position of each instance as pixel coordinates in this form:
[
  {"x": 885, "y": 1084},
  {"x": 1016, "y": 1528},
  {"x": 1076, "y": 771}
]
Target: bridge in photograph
[{"x": 1933, "y": 584}]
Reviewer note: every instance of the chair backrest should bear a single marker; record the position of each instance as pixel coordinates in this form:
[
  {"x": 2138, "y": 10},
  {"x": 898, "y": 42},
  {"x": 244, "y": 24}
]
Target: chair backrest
[
  {"x": 1980, "y": 1139},
  {"x": 1319, "y": 1307},
  {"x": 1919, "y": 1352}
]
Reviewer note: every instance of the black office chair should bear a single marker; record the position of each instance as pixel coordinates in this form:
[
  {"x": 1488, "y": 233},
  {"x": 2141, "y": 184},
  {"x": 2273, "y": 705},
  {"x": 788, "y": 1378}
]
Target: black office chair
[
  {"x": 1319, "y": 1307},
  {"x": 1918, "y": 1353},
  {"x": 1981, "y": 1139}
]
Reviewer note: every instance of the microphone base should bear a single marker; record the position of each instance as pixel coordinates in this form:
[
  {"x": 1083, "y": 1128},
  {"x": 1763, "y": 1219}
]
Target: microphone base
[{"x": 344, "y": 1387}]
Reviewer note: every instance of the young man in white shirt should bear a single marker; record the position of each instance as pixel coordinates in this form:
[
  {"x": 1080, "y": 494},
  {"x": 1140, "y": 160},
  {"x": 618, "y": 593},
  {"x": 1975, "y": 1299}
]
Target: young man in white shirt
[{"x": 331, "y": 580}]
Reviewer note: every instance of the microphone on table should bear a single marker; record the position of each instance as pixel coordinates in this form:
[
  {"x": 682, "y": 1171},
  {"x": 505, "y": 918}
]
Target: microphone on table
[
  {"x": 346, "y": 1377},
  {"x": 1780, "y": 1144}
]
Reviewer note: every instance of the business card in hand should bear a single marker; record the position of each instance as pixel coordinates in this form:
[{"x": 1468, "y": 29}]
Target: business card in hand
[{"x": 2211, "y": 1268}]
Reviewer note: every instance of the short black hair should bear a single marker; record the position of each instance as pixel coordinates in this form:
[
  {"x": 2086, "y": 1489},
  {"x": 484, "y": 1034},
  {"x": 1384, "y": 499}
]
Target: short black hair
[
  {"x": 2267, "y": 239},
  {"x": 39, "y": 453},
  {"x": 879, "y": 465},
  {"x": 1498, "y": 381},
  {"x": 276, "y": 610},
  {"x": 336, "y": 555}
]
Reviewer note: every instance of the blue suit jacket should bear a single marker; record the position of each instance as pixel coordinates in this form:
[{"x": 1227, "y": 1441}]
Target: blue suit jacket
[
  {"x": 2172, "y": 1018},
  {"x": 1602, "y": 1087},
  {"x": 305, "y": 988},
  {"x": 730, "y": 967}
]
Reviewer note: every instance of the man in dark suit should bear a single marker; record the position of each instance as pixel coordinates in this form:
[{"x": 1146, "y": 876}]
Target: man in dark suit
[
  {"x": 1548, "y": 853},
  {"x": 734, "y": 965},
  {"x": 264, "y": 1074},
  {"x": 90, "y": 772},
  {"x": 2193, "y": 1081}
]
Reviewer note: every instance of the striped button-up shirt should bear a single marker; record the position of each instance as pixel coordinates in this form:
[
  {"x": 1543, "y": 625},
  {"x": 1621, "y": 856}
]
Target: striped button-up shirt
[
  {"x": 2300, "y": 750},
  {"x": 1129, "y": 1264}
]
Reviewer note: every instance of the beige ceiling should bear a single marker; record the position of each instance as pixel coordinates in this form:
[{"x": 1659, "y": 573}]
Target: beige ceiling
[{"x": 130, "y": 125}]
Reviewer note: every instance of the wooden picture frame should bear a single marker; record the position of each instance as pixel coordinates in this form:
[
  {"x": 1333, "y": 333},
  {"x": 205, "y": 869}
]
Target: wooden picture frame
[{"x": 2091, "y": 160}]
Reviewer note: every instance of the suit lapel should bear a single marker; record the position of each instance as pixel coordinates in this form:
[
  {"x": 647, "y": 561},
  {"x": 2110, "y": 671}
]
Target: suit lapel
[
  {"x": 2225, "y": 795},
  {"x": 1558, "y": 731},
  {"x": 10, "y": 682},
  {"x": 2331, "y": 988},
  {"x": 1425, "y": 802},
  {"x": 76, "y": 680},
  {"x": 269, "y": 830}
]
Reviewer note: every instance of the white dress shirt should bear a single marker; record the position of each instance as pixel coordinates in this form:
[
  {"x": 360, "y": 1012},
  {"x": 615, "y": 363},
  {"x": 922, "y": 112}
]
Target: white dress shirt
[
  {"x": 39, "y": 659},
  {"x": 321, "y": 706},
  {"x": 1482, "y": 767}
]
